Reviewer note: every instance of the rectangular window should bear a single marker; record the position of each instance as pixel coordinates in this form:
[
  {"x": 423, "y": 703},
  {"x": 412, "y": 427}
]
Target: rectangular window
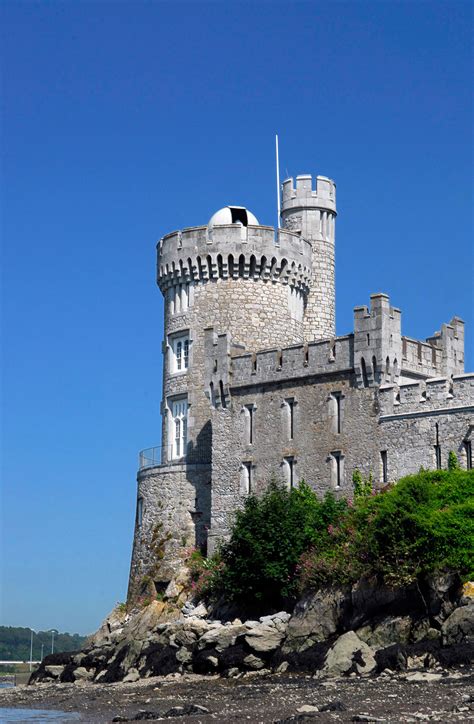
[
  {"x": 139, "y": 512},
  {"x": 383, "y": 456},
  {"x": 468, "y": 449},
  {"x": 246, "y": 478},
  {"x": 178, "y": 427},
  {"x": 438, "y": 456},
  {"x": 290, "y": 471},
  {"x": 179, "y": 353}
]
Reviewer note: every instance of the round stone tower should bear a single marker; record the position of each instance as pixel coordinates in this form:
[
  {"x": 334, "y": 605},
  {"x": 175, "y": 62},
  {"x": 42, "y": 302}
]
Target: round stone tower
[
  {"x": 312, "y": 213},
  {"x": 238, "y": 277}
]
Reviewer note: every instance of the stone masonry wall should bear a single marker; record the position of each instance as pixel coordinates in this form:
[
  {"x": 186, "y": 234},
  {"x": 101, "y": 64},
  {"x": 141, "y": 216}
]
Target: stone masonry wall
[
  {"x": 372, "y": 421},
  {"x": 175, "y": 515},
  {"x": 315, "y": 439}
]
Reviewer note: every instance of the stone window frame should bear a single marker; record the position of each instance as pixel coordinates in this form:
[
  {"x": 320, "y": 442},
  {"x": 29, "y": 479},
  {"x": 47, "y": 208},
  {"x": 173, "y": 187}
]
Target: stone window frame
[
  {"x": 289, "y": 467},
  {"x": 177, "y": 446},
  {"x": 337, "y": 469},
  {"x": 139, "y": 512},
  {"x": 336, "y": 410},
  {"x": 248, "y": 412},
  {"x": 181, "y": 298},
  {"x": 289, "y": 417},
  {"x": 247, "y": 477},
  {"x": 179, "y": 361}
]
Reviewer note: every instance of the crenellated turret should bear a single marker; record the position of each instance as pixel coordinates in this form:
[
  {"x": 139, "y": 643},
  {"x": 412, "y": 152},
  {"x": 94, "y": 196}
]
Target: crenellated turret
[
  {"x": 377, "y": 342},
  {"x": 311, "y": 212}
]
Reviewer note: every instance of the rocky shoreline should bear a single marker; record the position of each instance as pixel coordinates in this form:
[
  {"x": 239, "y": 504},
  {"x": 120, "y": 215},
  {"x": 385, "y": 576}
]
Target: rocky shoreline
[
  {"x": 361, "y": 630},
  {"x": 343, "y": 653},
  {"x": 416, "y": 696}
]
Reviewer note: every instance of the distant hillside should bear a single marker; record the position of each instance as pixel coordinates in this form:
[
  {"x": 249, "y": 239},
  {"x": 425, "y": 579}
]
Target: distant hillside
[{"x": 15, "y": 643}]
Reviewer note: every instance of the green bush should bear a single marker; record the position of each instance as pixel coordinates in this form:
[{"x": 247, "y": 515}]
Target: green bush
[
  {"x": 422, "y": 524},
  {"x": 289, "y": 540},
  {"x": 453, "y": 462},
  {"x": 268, "y": 538}
]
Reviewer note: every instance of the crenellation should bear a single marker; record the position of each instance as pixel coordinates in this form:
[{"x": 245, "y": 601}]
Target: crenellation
[
  {"x": 256, "y": 384},
  {"x": 426, "y": 396}
]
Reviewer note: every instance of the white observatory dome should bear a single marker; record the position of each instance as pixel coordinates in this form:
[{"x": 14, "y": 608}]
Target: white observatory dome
[{"x": 233, "y": 215}]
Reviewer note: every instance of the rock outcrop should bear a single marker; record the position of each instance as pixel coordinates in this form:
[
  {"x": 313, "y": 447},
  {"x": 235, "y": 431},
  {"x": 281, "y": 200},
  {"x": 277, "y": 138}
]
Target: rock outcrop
[{"x": 328, "y": 634}]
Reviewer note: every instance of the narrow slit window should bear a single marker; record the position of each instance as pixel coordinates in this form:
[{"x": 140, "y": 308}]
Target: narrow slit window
[
  {"x": 139, "y": 512},
  {"x": 290, "y": 408},
  {"x": 250, "y": 423},
  {"x": 384, "y": 459},
  {"x": 290, "y": 471},
  {"x": 246, "y": 484},
  {"x": 336, "y": 412},
  {"x": 468, "y": 449},
  {"x": 437, "y": 448},
  {"x": 337, "y": 469},
  {"x": 365, "y": 379}
]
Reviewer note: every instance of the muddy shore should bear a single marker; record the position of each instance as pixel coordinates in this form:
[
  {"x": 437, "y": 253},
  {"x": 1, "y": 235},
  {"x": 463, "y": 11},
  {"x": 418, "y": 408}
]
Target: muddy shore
[{"x": 418, "y": 696}]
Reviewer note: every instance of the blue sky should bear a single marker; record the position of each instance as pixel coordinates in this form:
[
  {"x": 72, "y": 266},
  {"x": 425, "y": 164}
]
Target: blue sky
[{"x": 122, "y": 121}]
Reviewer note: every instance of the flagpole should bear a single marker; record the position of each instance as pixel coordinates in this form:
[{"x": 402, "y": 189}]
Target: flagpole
[{"x": 277, "y": 180}]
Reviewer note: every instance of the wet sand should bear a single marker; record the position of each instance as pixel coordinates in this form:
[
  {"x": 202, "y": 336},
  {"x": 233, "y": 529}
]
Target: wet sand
[{"x": 262, "y": 699}]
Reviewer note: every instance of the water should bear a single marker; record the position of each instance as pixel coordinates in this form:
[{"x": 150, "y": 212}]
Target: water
[{"x": 38, "y": 716}]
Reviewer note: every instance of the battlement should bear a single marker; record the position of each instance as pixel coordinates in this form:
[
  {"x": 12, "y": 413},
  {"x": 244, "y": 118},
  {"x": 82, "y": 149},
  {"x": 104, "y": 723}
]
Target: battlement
[
  {"x": 432, "y": 395},
  {"x": 317, "y": 193},
  {"x": 322, "y": 357},
  {"x": 202, "y": 253}
]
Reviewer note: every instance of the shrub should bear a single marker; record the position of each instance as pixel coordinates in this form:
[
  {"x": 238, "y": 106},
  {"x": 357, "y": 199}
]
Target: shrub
[
  {"x": 269, "y": 536},
  {"x": 289, "y": 540},
  {"x": 422, "y": 524},
  {"x": 453, "y": 462}
]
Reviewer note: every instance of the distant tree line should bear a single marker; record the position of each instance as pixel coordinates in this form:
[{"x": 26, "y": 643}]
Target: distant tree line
[{"x": 15, "y": 643}]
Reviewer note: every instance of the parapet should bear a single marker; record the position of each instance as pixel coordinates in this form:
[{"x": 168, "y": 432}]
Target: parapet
[
  {"x": 434, "y": 395},
  {"x": 319, "y": 193},
  {"x": 229, "y": 251},
  {"x": 322, "y": 357}
]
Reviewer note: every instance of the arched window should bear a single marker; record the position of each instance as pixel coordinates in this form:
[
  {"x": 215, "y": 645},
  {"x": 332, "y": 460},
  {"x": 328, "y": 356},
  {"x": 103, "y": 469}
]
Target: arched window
[{"x": 253, "y": 266}]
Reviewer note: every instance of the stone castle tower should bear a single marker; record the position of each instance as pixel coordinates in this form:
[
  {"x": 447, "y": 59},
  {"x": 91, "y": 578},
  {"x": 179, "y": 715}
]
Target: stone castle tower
[{"x": 256, "y": 383}]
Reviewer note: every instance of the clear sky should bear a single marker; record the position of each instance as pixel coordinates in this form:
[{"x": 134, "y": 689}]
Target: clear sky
[{"x": 122, "y": 121}]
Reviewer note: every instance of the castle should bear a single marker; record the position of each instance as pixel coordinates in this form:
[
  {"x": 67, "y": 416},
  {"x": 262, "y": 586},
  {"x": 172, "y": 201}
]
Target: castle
[{"x": 257, "y": 384}]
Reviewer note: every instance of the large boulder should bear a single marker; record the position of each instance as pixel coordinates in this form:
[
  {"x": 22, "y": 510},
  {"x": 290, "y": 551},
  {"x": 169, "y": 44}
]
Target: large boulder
[
  {"x": 221, "y": 637},
  {"x": 391, "y": 630},
  {"x": 459, "y": 626},
  {"x": 316, "y": 617},
  {"x": 349, "y": 655},
  {"x": 264, "y": 637}
]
